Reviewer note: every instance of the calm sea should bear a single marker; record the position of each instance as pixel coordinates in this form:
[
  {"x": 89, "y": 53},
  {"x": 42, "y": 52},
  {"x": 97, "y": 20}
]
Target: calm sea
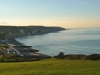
[{"x": 73, "y": 41}]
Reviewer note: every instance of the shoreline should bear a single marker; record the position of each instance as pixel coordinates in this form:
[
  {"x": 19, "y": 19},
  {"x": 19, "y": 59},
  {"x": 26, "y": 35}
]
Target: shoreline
[
  {"x": 10, "y": 33},
  {"x": 27, "y": 51}
]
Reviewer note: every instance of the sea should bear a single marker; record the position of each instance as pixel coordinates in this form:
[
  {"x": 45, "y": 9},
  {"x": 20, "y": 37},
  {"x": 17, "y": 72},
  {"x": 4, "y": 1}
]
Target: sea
[{"x": 72, "y": 41}]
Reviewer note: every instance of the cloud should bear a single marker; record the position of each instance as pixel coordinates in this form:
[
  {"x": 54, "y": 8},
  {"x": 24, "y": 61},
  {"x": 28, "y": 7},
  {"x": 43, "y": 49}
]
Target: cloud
[{"x": 4, "y": 22}]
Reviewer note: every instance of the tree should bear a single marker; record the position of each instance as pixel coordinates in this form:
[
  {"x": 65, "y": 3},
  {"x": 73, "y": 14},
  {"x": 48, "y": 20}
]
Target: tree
[{"x": 61, "y": 55}]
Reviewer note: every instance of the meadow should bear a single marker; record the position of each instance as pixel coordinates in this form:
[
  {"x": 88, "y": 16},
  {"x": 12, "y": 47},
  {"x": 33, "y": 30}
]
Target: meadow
[{"x": 51, "y": 67}]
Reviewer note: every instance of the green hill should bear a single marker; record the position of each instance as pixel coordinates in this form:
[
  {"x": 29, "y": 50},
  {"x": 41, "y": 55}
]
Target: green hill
[{"x": 51, "y": 67}]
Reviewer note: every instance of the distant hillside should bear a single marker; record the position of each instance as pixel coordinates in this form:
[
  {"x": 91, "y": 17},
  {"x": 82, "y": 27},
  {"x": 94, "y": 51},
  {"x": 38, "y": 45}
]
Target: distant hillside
[{"x": 14, "y": 31}]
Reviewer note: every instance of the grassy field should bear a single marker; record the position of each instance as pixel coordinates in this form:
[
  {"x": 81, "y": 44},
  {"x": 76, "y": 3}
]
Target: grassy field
[{"x": 51, "y": 67}]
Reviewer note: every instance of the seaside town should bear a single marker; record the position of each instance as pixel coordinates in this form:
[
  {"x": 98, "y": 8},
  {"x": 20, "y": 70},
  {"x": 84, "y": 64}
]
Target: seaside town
[{"x": 9, "y": 47}]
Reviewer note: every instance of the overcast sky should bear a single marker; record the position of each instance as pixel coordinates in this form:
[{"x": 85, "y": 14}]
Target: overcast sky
[{"x": 64, "y": 13}]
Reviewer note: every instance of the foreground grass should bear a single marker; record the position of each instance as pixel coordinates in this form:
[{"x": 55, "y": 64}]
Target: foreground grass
[{"x": 51, "y": 67}]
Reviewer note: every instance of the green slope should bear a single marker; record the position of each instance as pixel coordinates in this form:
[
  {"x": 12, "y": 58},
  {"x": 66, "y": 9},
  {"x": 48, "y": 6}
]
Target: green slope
[{"x": 51, "y": 67}]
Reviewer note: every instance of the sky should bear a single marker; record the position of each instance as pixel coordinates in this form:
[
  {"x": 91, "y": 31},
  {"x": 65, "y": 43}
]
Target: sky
[{"x": 63, "y": 13}]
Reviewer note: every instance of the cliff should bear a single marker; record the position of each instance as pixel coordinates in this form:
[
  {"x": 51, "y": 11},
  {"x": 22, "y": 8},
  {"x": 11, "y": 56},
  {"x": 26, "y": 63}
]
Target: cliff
[{"x": 17, "y": 31}]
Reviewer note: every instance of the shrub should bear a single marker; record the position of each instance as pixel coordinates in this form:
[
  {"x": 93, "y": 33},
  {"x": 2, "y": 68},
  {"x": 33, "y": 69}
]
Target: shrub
[
  {"x": 60, "y": 55},
  {"x": 73, "y": 56},
  {"x": 94, "y": 57}
]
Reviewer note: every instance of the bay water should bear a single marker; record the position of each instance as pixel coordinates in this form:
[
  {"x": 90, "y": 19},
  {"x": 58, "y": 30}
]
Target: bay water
[{"x": 73, "y": 41}]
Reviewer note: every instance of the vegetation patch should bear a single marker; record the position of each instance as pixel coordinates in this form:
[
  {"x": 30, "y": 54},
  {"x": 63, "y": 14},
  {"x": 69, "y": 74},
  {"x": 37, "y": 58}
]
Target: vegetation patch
[
  {"x": 51, "y": 67},
  {"x": 78, "y": 56}
]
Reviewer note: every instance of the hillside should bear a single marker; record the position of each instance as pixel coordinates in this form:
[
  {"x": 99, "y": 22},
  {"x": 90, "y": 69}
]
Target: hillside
[
  {"x": 17, "y": 31},
  {"x": 51, "y": 67}
]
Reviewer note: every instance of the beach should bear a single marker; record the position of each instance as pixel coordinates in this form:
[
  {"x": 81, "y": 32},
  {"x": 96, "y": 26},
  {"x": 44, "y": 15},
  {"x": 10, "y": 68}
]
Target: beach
[{"x": 26, "y": 51}]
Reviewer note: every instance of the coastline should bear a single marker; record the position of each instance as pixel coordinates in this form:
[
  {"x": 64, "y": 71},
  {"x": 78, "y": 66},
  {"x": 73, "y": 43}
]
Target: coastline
[
  {"x": 13, "y": 41},
  {"x": 27, "y": 51},
  {"x": 10, "y": 33}
]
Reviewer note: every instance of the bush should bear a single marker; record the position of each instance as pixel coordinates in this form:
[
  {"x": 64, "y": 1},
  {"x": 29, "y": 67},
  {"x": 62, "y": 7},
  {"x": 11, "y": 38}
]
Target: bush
[
  {"x": 60, "y": 55},
  {"x": 94, "y": 57},
  {"x": 73, "y": 56}
]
